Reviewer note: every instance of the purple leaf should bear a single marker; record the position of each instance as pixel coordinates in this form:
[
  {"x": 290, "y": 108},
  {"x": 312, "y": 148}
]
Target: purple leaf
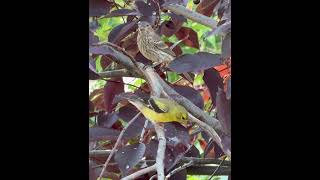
[
  {"x": 123, "y": 12},
  {"x": 195, "y": 62},
  {"x": 98, "y": 133},
  {"x": 226, "y": 46},
  {"x": 110, "y": 90},
  {"x": 100, "y": 50},
  {"x": 143, "y": 8},
  {"x": 176, "y": 134},
  {"x": 92, "y": 72},
  {"x": 129, "y": 156},
  {"x": 92, "y": 38},
  {"x": 126, "y": 113},
  {"x": 99, "y": 7},
  {"x": 191, "y": 94},
  {"x": 106, "y": 119},
  {"x": 213, "y": 80},
  {"x": 223, "y": 111},
  {"x": 93, "y": 25},
  {"x": 140, "y": 58},
  {"x": 121, "y": 31}
]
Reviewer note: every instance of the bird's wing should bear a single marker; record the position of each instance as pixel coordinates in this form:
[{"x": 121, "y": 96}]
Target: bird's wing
[
  {"x": 163, "y": 47},
  {"x": 158, "y": 105}
]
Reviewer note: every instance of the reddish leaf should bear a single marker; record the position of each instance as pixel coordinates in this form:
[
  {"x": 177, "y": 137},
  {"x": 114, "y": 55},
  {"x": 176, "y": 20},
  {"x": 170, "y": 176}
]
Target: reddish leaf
[
  {"x": 213, "y": 80},
  {"x": 223, "y": 70},
  {"x": 110, "y": 90},
  {"x": 193, "y": 152},
  {"x": 123, "y": 12},
  {"x": 223, "y": 111},
  {"x": 105, "y": 61},
  {"x": 206, "y": 7},
  {"x": 99, "y": 7},
  {"x": 177, "y": 50},
  {"x": 121, "y": 31},
  {"x": 195, "y": 62},
  {"x": 191, "y": 94},
  {"x": 92, "y": 173},
  {"x": 98, "y": 133},
  {"x": 91, "y": 106},
  {"x": 226, "y": 46},
  {"x": 190, "y": 35},
  {"x": 168, "y": 28},
  {"x": 129, "y": 156}
]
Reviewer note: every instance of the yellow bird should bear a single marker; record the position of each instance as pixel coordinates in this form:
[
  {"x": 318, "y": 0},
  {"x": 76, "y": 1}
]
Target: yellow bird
[{"x": 161, "y": 110}]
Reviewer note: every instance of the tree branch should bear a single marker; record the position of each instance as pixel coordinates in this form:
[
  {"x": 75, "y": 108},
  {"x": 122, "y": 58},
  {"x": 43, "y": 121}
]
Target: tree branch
[
  {"x": 161, "y": 150},
  {"x": 159, "y": 86},
  {"x": 184, "y": 166},
  {"x": 115, "y": 73},
  {"x": 194, "y": 16},
  {"x": 140, "y": 172},
  {"x": 196, "y": 161},
  {"x": 117, "y": 143}
]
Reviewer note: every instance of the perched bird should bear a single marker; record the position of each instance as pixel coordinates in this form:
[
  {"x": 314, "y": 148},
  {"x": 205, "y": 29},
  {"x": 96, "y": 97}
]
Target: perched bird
[
  {"x": 153, "y": 48},
  {"x": 161, "y": 110}
]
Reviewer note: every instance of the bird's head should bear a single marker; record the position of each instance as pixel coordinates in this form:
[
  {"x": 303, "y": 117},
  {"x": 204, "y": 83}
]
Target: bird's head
[
  {"x": 144, "y": 26},
  {"x": 182, "y": 115}
]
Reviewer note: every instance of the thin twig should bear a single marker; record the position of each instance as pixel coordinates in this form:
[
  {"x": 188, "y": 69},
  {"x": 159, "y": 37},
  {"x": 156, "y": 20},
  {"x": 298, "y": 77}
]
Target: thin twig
[
  {"x": 117, "y": 143},
  {"x": 178, "y": 42},
  {"x": 108, "y": 80},
  {"x": 184, "y": 166},
  {"x": 217, "y": 168},
  {"x": 140, "y": 172},
  {"x": 143, "y": 130},
  {"x": 194, "y": 16},
  {"x": 152, "y": 177}
]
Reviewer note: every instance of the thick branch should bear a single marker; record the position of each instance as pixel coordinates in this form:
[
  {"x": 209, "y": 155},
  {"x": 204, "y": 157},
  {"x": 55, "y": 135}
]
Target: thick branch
[
  {"x": 161, "y": 151},
  {"x": 115, "y": 73},
  {"x": 194, "y": 16}
]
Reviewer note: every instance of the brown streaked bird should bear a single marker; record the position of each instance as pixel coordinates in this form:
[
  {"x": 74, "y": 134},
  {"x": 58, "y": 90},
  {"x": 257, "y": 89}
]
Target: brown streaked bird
[{"x": 153, "y": 48}]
